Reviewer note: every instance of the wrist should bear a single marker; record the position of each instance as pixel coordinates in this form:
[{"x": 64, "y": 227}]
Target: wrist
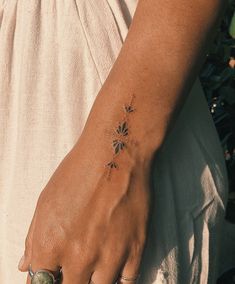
[
  {"x": 120, "y": 133},
  {"x": 96, "y": 145}
]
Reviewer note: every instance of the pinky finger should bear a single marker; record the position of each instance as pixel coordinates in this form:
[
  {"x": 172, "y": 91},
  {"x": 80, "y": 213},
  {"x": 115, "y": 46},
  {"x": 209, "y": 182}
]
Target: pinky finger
[{"x": 130, "y": 272}]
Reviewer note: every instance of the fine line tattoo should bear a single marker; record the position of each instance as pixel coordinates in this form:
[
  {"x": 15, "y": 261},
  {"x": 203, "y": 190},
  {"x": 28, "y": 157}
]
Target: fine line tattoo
[{"x": 121, "y": 136}]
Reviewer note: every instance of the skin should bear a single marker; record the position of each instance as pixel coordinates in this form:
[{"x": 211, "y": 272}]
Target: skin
[{"x": 96, "y": 227}]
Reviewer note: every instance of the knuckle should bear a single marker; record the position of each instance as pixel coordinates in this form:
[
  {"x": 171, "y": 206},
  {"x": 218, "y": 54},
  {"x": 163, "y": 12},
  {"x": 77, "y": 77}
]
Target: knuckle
[
  {"x": 90, "y": 259},
  {"x": 87, "y": 256},
  {"x": 45, "y": 244},
  {"x": 141, "y": 237},
  {"x": 138, "y": 247}
]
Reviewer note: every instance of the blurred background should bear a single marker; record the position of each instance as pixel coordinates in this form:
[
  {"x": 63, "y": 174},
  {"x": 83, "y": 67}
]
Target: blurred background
[{"x": 218, "y": 80}]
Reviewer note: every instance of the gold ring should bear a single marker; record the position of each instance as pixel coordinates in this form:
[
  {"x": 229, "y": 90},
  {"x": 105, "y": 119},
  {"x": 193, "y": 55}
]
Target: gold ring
[{"x": 129, "y": 279}]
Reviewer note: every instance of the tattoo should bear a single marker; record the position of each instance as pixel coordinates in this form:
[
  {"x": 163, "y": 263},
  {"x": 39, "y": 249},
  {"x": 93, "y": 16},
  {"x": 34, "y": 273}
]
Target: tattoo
[
  {"x": 128, "y": 109},
  {"x": 122, "y": 129},
  {"x": 121, "y": 135},
  {"x": 112, "y": 164},
  {"x": 118, "y": 145}
]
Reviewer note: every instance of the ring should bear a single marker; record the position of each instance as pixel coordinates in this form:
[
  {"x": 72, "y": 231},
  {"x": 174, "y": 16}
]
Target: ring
[
  {"x": 42, "y": 276},
  {"x": 129, "y": 279}
]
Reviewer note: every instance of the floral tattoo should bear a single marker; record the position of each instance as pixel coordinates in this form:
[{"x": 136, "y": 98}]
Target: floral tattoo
[{"x": 121, "y": 136}]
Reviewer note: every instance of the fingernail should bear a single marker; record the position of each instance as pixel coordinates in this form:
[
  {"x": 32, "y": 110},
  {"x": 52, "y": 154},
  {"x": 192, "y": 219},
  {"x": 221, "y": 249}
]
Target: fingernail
[{"x": 21, "y": 262}]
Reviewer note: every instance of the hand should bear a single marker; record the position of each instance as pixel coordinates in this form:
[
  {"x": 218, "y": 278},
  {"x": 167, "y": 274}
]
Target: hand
[{"x": 91, "y": 227}]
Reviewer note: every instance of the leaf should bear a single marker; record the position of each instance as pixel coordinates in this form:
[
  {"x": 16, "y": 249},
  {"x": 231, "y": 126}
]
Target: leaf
[{"x": 232, "y": 27}]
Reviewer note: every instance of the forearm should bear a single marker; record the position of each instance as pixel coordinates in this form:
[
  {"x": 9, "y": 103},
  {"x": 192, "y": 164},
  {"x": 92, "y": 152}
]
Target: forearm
[{"x": 159, "y": 61}]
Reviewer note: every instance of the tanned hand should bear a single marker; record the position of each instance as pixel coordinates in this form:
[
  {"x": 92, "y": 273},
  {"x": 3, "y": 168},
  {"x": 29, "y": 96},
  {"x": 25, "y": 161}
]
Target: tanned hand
[{"x": 91, "y": 218}]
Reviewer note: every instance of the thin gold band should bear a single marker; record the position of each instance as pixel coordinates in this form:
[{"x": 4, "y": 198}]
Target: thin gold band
[{"x": 129, "y": 279}]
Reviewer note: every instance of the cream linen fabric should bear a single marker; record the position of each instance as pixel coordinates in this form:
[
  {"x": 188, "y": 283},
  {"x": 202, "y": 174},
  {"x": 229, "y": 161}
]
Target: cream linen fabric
[{"x": 54, "y": 57}]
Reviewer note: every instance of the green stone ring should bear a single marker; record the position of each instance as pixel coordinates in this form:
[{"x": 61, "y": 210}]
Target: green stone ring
[{"x": 42, "y": 276}]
